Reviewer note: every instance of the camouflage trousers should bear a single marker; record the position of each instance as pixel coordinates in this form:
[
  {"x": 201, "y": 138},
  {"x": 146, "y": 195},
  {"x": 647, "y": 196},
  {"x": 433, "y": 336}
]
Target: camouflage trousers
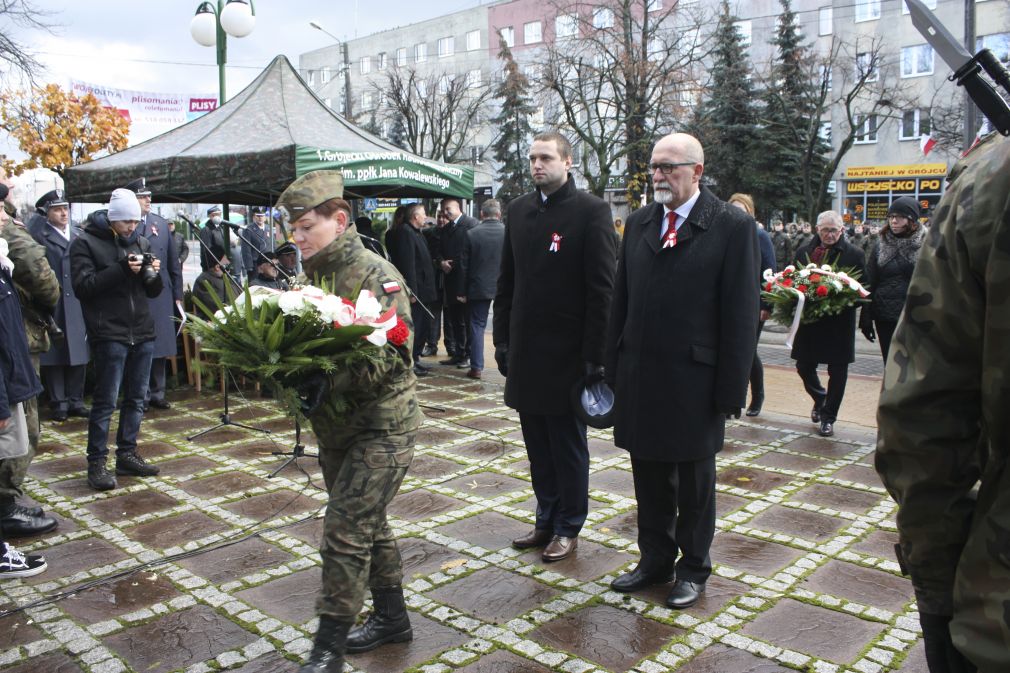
[
  {"x": 358, "y": 550},
  {"x": 13, "y": 470}
]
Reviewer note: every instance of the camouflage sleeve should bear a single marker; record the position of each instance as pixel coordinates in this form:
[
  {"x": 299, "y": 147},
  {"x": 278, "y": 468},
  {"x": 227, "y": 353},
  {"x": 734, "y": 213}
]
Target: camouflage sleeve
[
  {"x": 946, "y": 374},
  {"x": 33, "y": 276}
]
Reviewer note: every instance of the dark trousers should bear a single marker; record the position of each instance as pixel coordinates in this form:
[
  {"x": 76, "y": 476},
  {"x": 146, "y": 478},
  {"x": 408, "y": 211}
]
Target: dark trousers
[
  {"x": 477, "y": 312},
  {"x": 559, "y": 467},
  {"x": 65, "y": 385},
  {"x": 885, "y": 330},
  {"x": 435, "y": 324},
  {"x": 757, "y": 372},
  {"x": 421, "y": 328},
  {"x": 156, "y": 386},
  {"x": 830, "y": 400},
  {"x": 456, "y": 328},
  {"x": 676, "y": 513},
  {"x": 115, "y": 360}
]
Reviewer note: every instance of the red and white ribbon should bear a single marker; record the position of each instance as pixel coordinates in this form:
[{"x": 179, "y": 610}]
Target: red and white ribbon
[
  {"x": 801, "y": 298},
  {"x": 555, "y": 242}
]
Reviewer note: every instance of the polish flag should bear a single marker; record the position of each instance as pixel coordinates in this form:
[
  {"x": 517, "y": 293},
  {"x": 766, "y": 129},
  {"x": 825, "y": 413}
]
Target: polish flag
[{"x": 926, "y": 143}]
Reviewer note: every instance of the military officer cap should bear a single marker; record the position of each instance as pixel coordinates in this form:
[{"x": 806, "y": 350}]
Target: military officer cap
[
  {"x": 266, "y": 257},
  {"x": 212, "y": 210},
  {"x": 139, "y": 187},
  {"x": 309, "y": 191},
  {"x": 51, "y": 199},
  {"x": 593, "y": 401},
  {"x": 286, "y": 249},
  {"x": 259, "y": 210}
]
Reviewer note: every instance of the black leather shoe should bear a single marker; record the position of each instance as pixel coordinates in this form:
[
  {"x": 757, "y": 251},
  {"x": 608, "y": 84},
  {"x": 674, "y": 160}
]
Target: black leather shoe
[
  {"x": 560, "y": 548},
  {"x": 827, "y": 429},
  {"x": 639, "y": 578},
  {"x": 463, "y": 364},
  {"x": 684, "y": 594},
  {"x": 327, "y": 654},
  {"x": 132, "y": 463},
  {"x": 388, "y": 622},
  {"x": 429, "y": 350},
  {"x": 17, "y": 521},
  {"x": 815, "y": 415},
  {"x": 454, "y": 360},
  {"x": 79, "y": 412},
  {"x": 755, "y": 407},
  {"x": 99, "y": 477},
  {"x": 539, "y": 537},
  {"x": 59, "y": 415},
  {"x": 421, "y": 371},
  {"x": 160, "y": 404}
]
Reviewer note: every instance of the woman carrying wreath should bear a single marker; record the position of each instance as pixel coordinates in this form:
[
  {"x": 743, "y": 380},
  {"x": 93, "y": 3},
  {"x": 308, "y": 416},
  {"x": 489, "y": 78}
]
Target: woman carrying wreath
[
  {"x": 365, "y": 419},
  {"x": 832, "y": 339},
  {"x": 889, "y": 268}
]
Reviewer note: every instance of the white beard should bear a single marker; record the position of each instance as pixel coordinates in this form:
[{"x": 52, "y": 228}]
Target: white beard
[{"x": 663, "y": 196}]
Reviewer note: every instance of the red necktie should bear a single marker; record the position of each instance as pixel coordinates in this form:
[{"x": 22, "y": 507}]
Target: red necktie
[{"x": 670, "y": 237}]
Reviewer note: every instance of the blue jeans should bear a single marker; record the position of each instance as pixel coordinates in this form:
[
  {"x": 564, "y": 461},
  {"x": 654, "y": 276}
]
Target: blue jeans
[
  {"x": 478, "y": 323},
  {"x": 113, "y": 359}
]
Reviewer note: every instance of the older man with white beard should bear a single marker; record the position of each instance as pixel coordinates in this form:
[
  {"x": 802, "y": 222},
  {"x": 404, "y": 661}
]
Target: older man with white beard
[{"x": 679, "y": 352}]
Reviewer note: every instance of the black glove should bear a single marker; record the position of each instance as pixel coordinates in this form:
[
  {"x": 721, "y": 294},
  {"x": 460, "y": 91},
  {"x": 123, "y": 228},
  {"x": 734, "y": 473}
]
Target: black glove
[
  {"x": 501, "y": 356},
  {"x": 868, "y": 332},
  {"x": 731, "y": 412},
  {"x": 312, "y": 391},
  {"x": 593, "y": 368},
  {"x": 941, "y": 655}
]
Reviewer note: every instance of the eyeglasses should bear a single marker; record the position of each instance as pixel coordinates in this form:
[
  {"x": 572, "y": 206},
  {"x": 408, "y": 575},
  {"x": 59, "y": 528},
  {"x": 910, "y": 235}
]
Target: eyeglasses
[
  {"x": 666, "y": 169},
  {"x": 829, "y": 231},
  {"x": 892, "y": 216}
]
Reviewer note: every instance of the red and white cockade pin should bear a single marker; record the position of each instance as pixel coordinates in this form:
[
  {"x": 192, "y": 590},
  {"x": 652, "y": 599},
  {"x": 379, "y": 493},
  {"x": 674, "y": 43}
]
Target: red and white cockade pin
[
  {"x": 154, "y": 229},
  {"x": 555, "y": 242}
]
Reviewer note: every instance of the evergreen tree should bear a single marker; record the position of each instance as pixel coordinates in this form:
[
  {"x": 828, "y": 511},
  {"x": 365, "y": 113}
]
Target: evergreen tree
[
  {"x": 514, "y": 130},
  {"x": 396, "y": 133},
  {"x": 791, "y": 145},
  {"x": 726, "y": 123}
]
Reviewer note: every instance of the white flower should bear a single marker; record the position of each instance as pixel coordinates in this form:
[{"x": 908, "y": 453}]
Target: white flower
[
  {"x": 291, "y": 303},
  {"x": 804, "y": 273},
  {"x": 825, "y": 267},
  {"x": 219, "y": 315},
  {"x": 769, "y": 275},
  {"x": 368, "y": 308},
  {"x": 789, "y": 269},
  {"x": 332, "y": 309},
  {"x": 378, "y": 337}
]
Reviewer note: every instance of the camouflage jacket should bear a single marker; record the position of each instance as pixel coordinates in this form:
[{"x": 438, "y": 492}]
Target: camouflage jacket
[
  {"x": 943, "y": 416},
  {"x": 383, "y": 395},
  {"x": 37, "y": 286}
]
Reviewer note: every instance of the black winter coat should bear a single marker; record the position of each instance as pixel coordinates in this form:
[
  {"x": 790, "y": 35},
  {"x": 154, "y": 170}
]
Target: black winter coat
[
  {"x": 551, "y": 307},
  {"x": 18, "y": 381},
  {"x": 830, "y": 340},
  {"x": 114, "y": 299},
  {"x": 408, "y": 250},
  {"x": 482, "y": 259},
  {"x": 888, "y": 273},
  {"x": 681, "y": 335},
  {"x": 452, "y": 241}
]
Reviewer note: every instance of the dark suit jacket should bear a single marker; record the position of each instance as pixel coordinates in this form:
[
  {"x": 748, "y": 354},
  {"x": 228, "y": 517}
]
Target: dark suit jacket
[
  {"x": 163, "y": 311},
  {"x": 830, "y": 340},
  {"x": 551, "y": 307},
  {"x": 482, "y": 259},
  {"x": 681, "y": 333},
  {"x": 409, "y": 253},
  {"x": 73, "y": 350},
  {"x": 453, "y": 240}
]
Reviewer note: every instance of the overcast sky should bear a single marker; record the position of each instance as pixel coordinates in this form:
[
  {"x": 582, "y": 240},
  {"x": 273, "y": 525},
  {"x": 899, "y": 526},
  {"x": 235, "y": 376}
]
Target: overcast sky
[{"x": 145, "y": 45}]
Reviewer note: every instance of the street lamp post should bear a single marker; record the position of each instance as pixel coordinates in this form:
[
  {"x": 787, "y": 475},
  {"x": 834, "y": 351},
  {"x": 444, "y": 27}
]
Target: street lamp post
[{"x": 346, "y": 66}]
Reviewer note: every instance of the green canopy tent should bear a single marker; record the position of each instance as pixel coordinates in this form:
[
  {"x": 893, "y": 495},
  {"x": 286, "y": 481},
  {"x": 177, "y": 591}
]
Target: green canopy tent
[{"x": 252, "y": 147}]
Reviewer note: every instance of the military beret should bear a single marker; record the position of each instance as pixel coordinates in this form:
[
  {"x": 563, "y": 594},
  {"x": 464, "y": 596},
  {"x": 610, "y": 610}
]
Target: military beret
[
  {"x": 51, "y": 199},
  {"x": 287, "y": 249},
  {"x": 139, "y": 187},
  {"x": 309, "y": 191}
]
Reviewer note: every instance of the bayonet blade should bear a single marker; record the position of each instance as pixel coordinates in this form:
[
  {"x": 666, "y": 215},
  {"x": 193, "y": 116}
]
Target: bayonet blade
[{"x": 950, "y": 50}]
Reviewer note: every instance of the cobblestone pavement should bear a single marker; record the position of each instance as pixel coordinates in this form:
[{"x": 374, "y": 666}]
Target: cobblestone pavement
[{"x": 804, "y": 580}]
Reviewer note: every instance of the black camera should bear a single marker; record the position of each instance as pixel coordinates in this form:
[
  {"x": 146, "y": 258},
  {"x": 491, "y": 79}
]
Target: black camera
[{"x": 147, "y": 273}]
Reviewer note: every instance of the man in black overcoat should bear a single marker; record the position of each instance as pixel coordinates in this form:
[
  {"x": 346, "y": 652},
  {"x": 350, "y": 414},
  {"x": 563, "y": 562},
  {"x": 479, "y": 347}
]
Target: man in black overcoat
[
  {"x": 679, "y": 349},
  {"x": 167, "y": 306},
  {"x": 481, "y": 262},
  {"x": 830, "y": 340},
  {"x": 550, "y": 318},
  {"x": 453, "y": 239},
  {"x": 409, "y": 253}
]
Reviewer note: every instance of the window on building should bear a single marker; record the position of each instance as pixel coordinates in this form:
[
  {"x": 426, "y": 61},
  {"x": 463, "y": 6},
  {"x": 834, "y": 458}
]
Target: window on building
[
  {"x": 916, "y": 60},
  {"x": 825, "y": 19},
  {"x": 421, "y": 52},
  {"x": 533, "y": 32},
  {"x": 401, "y": 56},
  {"x": 914, "y": 123},
  {"x": 655, "y": 5},
  {"x": 477, "y": 154},
  {"x": 929, "y": 3},
  {"x": 443, "y": 85},
  {"x": 473, "y": 40},
  {"x": 866, "y": 128},
  {"x": 532, "y": 72},
  {"x": 422, "y": 88},
  {"x": 384, "y": 129},
  {"x": 341, "y": 105},
  {"x": 824, "y": 132},
  {"x": 324, "y": 75},
  {"x": 866, "y": 66},
  {"x": 474, "y": 79},
  {"x": 366, "y": 65},
  {"x": 744, "y": 29},
  {"x": 508, "y": 34},
  {"x": 566, "y": 25},
  {"x": 382, "y": 99},
  {"x": 537, "y": 118},
  {"x": 382, "y": 61},
  {"x": 311, "y": 77},
  {"x": 867, "y": 10},
  {"x": 603, "y": 17},
  {"x": 366, "y": 100},
  {"x": 998, "y": 44},
  {"x": 446, "y": 46}
]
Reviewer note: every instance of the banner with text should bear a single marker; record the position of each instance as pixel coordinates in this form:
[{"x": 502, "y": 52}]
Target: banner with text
[{"x": 149, "y": 113}]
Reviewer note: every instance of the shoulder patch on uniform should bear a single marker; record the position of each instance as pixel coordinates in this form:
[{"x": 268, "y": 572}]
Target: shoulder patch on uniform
[{"x": 391, "y": 286}]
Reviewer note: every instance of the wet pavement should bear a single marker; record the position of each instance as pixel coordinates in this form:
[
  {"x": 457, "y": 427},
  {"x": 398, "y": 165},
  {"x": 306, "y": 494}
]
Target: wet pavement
[{"x": 804, "y": 572}]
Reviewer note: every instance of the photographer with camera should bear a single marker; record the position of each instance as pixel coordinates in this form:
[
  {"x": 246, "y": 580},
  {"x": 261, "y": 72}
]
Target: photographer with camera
[{"x": 114, "y": 275}]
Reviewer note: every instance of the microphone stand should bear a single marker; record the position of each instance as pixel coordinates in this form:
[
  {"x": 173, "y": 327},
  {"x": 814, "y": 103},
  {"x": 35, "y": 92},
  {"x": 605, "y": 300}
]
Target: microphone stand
[
  {"x": 245, "y": 241},
  {"x": 296, "y": 452}
]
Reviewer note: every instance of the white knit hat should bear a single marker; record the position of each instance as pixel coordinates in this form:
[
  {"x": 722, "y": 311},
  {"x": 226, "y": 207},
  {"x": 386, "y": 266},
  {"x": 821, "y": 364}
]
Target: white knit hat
[{"x": 123, "y": 206}]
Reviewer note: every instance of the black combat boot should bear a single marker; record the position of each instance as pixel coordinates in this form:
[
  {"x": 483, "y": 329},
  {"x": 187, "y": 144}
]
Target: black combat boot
[
  {"x": 388, "y": 622},
  {"x": 328, "y": 649},
  {"x": 99, "y": 477}
]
